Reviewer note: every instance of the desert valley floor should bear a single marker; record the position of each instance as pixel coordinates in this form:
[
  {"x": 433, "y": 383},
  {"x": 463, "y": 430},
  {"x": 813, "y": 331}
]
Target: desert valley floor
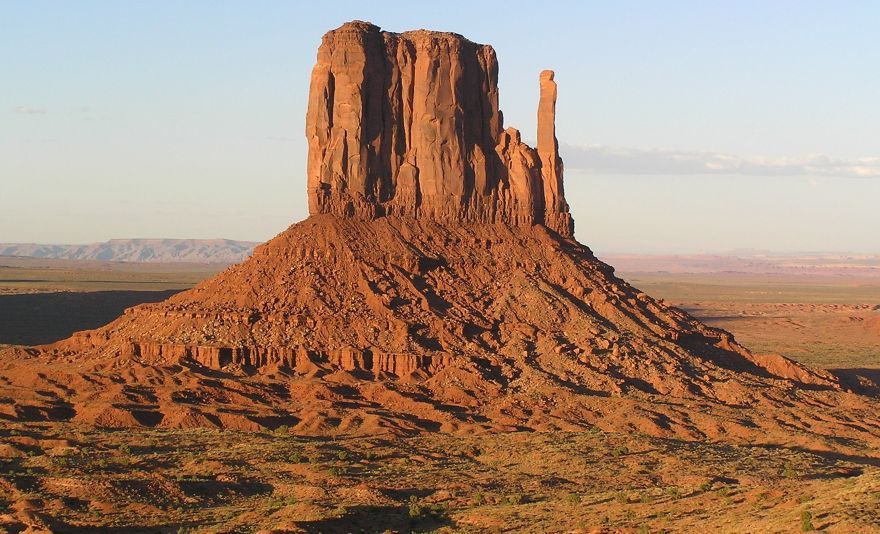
[{"x": 65, "y": 477}]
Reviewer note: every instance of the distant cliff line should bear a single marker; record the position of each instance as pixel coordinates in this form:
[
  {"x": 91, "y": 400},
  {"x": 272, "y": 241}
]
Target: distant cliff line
[{"x": 140, "y": 250}]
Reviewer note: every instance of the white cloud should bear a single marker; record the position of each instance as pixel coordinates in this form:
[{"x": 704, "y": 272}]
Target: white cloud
[
  {"x": 601, "y": 159},
  {"x": 27, "y": 110}
]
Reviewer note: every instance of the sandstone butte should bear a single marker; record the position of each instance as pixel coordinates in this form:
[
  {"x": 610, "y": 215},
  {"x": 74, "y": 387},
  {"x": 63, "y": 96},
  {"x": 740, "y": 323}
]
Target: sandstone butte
[{"x": 436, "y": 286}]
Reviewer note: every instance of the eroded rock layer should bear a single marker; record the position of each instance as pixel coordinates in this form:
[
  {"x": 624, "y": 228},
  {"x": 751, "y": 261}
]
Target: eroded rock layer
[
  {"x": 435, "y": 287},
  {"x": 408, "y": 125}
]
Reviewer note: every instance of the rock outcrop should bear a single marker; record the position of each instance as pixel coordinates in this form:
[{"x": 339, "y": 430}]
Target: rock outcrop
[
  {"x": 408, "y": 125},
  {"x": 394, "y": 307}
]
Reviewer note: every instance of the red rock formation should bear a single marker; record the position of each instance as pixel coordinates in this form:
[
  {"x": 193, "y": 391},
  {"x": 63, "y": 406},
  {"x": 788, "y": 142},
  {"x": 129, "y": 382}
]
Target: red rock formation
[
  {"x": 408, "y": 124},
  {"x": 555, "y": 208},
  {"x": 395, "y": 306}
]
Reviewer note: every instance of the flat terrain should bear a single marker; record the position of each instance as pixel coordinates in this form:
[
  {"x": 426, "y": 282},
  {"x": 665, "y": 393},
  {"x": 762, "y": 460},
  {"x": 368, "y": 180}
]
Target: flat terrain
[
  {"x": 824, "y": 321},
  {"x": 37, "y": 275},
  {"x": 71, "y": 478},
  {"x": 44, "y": 300}
]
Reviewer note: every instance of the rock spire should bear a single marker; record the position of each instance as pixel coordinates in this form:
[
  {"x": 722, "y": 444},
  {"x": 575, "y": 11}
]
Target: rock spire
[{"x": 408, "y": 124}]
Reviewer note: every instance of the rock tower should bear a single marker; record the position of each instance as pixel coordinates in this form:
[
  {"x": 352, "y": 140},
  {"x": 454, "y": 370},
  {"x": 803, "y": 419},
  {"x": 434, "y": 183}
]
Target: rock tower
[{"x": 408, "y": 124}]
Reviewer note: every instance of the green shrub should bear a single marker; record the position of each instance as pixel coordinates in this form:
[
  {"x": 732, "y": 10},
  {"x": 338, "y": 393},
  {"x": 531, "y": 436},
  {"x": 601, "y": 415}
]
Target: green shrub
[
  {"x": 573, "y": 498},
  {"x": 415, "y": 507},
  {"x": 514, "y": 499},
  {"x": 419, "y": 511},
  {"x": 620, "y": 450},
  {"x": 789, "y": 470},
  {"x": 807, "y": 521}
]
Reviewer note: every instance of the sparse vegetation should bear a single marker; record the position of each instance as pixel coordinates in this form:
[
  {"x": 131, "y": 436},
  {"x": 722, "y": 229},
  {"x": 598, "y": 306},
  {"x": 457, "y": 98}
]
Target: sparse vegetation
[
  {"x": 215, "y": 478},
  {"x": 807, "y": 521},
  {"x": 789, "y": 470}
]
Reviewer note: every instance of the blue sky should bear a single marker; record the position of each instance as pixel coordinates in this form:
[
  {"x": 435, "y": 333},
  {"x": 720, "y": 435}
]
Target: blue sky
[{"x": 686, "y": 126}]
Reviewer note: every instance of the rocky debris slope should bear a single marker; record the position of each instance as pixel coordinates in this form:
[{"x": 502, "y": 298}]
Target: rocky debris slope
[{"x": 431, "y": 289}]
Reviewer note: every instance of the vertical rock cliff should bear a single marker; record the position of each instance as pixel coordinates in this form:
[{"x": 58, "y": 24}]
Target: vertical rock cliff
[{"x": 408, "y": 124}]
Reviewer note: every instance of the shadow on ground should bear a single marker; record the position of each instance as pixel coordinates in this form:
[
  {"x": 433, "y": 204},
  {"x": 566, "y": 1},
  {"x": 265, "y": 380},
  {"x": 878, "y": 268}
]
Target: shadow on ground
[
  {"x": 861, "y": 379},
  {"x": 39, "y": 318}
]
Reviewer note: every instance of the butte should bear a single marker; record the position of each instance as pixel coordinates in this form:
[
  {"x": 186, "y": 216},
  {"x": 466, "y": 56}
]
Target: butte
[{"x": 435, "y": 286}]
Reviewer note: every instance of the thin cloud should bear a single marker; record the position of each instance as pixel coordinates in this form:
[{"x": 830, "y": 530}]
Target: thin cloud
[
  {"x": 599, "y": 159},
  {"x": 27, "y": 110}
]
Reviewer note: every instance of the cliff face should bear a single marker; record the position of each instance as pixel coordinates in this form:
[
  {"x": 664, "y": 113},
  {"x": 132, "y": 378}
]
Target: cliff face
[{"x": 408, "y": 124}]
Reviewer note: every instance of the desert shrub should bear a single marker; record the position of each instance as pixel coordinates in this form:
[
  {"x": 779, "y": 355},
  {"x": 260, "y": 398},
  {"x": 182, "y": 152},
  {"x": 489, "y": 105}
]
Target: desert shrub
[
  {"x": 706, "y": 486},
  {"x": 124, "y": 449},
  {"x": 415, "y": 507},
  {"x": 342, "y": 455},
  {"x": 479, "y": 499},
  {"x": 419, "y": 511},
  {"x": 282, "y": 429},
  {"x": 619, "y": 451},
  {"x": 276, "y": 501},
  {"x": 789, "y": 470},
  {"x": 807, "y": 521},
  {"x": 514, "y": 499},
  {"x": 674, "y": 492},
  {"x": 573, "y": 498},
  {"x": 296, "y": 458}
]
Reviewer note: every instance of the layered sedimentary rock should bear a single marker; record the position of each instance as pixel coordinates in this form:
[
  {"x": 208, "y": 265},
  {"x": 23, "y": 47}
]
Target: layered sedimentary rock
[
  {"x": 408, "y": 124},
  {"x": 394, "y": 308}
]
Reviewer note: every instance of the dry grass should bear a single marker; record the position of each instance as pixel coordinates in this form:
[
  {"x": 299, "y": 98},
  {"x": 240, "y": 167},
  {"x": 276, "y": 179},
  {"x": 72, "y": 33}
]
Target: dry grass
[{"x": 80, "y": 479}]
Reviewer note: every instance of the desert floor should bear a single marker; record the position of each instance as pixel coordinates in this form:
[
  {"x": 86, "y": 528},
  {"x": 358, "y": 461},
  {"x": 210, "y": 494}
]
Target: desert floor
[{"x": 78, "y": 479}]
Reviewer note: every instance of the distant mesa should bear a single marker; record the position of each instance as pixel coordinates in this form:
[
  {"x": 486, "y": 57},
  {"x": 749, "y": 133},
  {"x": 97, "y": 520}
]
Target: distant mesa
[
  {"x": 435, "y": 286},
  {"x": 222, "y": 251}
]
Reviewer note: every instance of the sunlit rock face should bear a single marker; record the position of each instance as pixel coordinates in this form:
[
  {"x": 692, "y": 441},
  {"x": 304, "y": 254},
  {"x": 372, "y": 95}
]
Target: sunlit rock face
[{"x": 408, "y": 124}]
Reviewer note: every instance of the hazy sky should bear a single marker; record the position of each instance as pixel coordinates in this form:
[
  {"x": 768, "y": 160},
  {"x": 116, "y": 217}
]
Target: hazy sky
[{"x": 685, "y": 126}]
